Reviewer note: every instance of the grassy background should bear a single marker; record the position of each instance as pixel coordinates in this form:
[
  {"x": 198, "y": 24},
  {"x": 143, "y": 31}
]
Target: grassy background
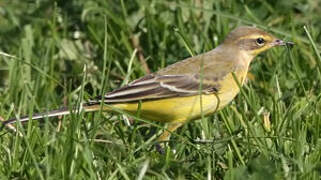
[{"x": 69, "y": 51}]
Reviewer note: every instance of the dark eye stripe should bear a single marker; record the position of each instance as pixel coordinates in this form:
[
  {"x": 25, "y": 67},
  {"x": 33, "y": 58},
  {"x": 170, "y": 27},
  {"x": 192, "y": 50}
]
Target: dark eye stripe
[{"x": 248, "y": 44}]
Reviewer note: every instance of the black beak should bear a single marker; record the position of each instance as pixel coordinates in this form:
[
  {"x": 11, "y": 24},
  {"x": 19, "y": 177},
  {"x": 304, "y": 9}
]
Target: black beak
[{"x": 279, "y": 42}]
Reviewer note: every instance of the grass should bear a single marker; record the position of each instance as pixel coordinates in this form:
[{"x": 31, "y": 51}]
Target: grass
[{"x": 66, "y": 52}]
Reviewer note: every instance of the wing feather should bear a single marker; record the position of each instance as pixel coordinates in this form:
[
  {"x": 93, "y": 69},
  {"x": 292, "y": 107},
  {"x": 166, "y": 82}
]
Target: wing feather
[
  {"x": 175, "y": 81},
  {"x": 159, "y": 86}
]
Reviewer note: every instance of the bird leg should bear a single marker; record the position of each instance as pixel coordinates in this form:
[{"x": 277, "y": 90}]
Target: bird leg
[{"x": 166, "y": 135}]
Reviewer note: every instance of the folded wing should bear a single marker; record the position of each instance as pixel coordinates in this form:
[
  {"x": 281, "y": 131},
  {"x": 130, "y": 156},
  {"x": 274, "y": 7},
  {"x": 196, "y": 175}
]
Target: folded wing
[{"x": 161, "y": 86}]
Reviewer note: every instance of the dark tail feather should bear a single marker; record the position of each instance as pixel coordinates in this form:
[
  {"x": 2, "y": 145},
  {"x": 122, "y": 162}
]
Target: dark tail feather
[
  {"x": 53, "y": 113},
  {"x": 87, "y": 107}
]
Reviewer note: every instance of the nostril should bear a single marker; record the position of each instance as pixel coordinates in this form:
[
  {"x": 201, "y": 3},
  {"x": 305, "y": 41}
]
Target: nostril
[{"x": 279, "y": 42}]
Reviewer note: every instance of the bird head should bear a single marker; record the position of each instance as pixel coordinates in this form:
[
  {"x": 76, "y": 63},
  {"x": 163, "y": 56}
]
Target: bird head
[{"x": 252, "y": 40}]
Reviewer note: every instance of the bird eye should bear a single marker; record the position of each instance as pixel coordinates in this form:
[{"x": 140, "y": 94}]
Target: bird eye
[{"x": 260, "y": 41}]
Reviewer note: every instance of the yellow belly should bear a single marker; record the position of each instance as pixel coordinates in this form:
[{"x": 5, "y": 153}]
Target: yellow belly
[
  {"x": 181, "y": 109},
  {"x": 173, "y": 109}
]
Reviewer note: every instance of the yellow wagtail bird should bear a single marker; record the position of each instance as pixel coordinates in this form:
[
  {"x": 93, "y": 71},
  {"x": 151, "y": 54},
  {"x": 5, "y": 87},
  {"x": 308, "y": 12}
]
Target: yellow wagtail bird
[{"x": 187, "y": 89}]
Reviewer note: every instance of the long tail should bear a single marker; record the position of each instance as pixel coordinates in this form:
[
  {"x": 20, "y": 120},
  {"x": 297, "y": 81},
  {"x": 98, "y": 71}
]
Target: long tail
[{"x": 54, "y": 113}]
